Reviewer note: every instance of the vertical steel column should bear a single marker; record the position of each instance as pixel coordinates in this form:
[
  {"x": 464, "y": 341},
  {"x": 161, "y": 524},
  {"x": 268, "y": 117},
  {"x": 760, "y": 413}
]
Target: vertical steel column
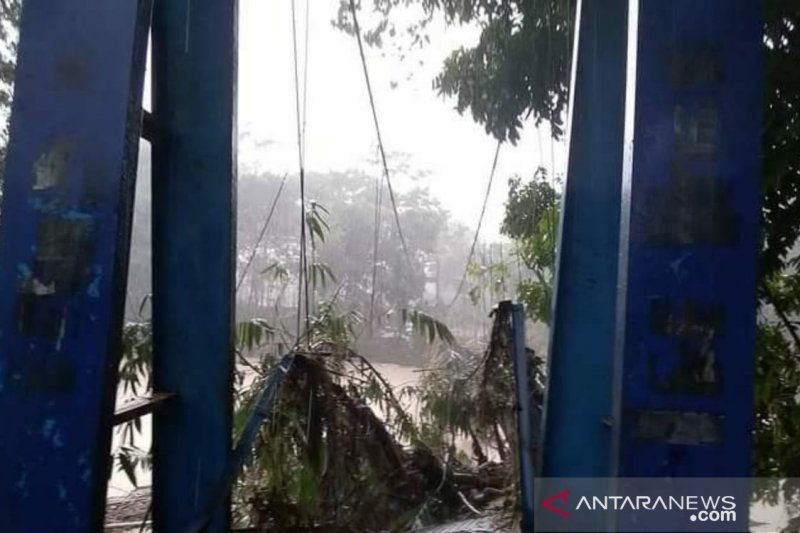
[
  {"x": 64, "y": 244},
  {"x": 580, "y": 367},
  {"x": 690, "y": 237},
  {"x": 194, "y": 177},
  {"x": 525, "y": 414}
]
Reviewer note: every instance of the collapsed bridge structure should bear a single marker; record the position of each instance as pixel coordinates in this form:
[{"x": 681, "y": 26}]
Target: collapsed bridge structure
[{"x": 651, "y": 368}]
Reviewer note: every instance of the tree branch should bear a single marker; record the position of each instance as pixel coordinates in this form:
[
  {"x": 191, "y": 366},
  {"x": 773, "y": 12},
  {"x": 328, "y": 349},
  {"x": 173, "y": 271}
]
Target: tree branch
[{"x": 781, "y": 314}]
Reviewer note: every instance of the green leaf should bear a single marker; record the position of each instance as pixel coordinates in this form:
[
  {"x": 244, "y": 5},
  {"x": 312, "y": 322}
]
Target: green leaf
[
  {"x": 128, "y": 465},
  {"x": 426, "y": 326}
]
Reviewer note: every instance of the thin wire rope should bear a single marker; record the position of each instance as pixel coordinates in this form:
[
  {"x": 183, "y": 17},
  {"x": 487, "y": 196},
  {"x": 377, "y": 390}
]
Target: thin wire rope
[
  {"x": 551, "y": 217},
  {"x": 261, "y": 234},
  {"x": 478, "y": 228},
  {"x": 309, "y": 306},
  {"x": 302, "y": 287},
  {"x": 540, "y": 165},
  {"x": 357, "y": 30},
  {"x": 375, "y": 246},
  {"x": 571, "y": 21},
  {"x": 305, "y": 78}
]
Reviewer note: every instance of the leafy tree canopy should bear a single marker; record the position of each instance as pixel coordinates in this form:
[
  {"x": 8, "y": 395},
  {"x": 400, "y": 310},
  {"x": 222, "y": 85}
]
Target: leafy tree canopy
[
  {"x": 531, "y": 221},
  {"x": 519, "y": 67}
]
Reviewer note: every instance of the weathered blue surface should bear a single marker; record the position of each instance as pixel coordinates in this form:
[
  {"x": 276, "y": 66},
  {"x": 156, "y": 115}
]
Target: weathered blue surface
[
  {"x": 64, "y": 247},
  {"x": 525, "y": 415},
  {"x": 576, "y": 440},
  {"x": 691, "y": 238},
  {"x": 194, "y": 165}
]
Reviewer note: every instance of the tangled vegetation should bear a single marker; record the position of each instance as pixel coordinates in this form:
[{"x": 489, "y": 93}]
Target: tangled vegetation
[{"x": 340, "y": 450}]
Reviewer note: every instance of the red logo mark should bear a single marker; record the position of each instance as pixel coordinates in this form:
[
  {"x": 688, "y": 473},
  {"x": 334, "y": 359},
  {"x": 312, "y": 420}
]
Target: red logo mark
[{"x": 560, "y": 496}]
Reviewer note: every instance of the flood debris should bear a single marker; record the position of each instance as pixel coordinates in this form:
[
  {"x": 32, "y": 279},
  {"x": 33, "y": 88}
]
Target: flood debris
[
  {"x": 326, "y": 460},
  {"x": 339, "y": 452}
]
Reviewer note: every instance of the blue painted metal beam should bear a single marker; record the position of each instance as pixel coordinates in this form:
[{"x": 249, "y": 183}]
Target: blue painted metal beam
[
  {"x": 526, "y": 416},
  {"x": 690, "y": 240},
  {"x": 580, "y": 366},
  {"x": 194, "y": 175},
  {"x": 64, "y": 243}
]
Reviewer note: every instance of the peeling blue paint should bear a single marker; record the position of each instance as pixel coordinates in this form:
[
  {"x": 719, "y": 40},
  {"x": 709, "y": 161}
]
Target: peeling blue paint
[
  {"x": 66, "y": 187},
  {"x": 23, "y": 273},
  {"x": 22, "y": 481},
  {"x": 76, "y": 215},
  {"x": 47, "y": 427},
  {"x": 689, "y": 239},
  {"x": 94, "y": 288}
]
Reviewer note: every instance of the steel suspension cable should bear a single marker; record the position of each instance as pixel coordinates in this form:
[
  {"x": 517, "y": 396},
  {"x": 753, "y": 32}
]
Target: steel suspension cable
[{"x": 478, "y": 228}]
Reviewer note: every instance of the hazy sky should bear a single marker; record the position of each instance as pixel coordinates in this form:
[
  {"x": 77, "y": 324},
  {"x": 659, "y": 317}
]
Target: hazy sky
[{"x": 453, "y": 149}]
